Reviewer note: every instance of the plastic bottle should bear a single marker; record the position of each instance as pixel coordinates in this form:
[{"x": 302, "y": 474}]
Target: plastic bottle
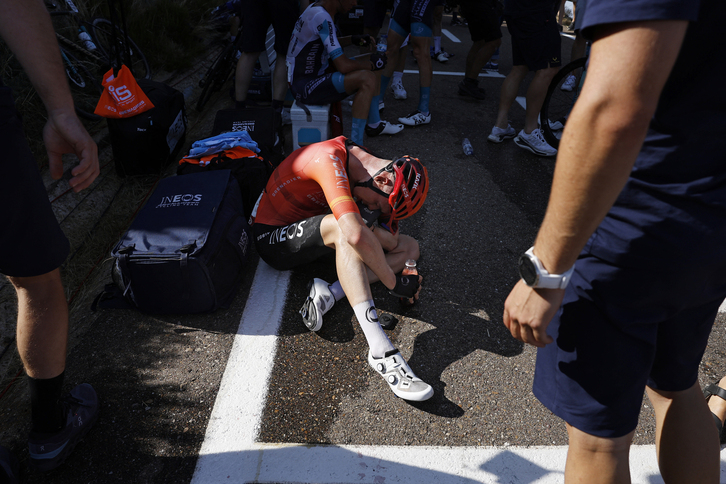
[
  {"x": 86, "y": 39},
  {"x": 468, "y": 149},
  {"x": 382, "y": 45},
  {"x": 409, "y": 270}
]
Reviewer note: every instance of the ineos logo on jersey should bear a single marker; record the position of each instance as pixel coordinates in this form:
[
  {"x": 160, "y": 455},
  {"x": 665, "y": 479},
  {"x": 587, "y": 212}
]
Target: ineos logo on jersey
[
  {"x": 187, "y": 199},
  {"x": 288, "y": 232},
  {"x": 371, "y": 315}
]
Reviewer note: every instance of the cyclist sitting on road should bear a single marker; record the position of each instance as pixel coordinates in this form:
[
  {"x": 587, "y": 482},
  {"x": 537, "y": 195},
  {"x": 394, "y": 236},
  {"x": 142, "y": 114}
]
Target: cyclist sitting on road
[
  {"x": 309, "y": 210},
  {"x": 313, "y": 43}
]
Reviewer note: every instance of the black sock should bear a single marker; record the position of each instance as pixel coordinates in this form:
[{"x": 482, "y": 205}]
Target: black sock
[
  {"x": 473, "y": 82},
  {"x": 47, "y": 414},
  {"x": 277, "y": 105},
  {"x": 240, "y": 104}
]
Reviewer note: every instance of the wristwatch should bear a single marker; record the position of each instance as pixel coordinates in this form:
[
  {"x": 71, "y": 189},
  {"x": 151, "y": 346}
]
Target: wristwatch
[{"x": 534, "y": 274}]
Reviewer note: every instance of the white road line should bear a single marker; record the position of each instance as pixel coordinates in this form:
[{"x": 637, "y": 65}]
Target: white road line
[
  {"x": 451, "y": 36},
  {"x": 458, "y": 74},
  {"x": 230, "y": 452}
]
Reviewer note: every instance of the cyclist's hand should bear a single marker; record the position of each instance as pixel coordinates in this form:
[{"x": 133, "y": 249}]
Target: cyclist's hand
[
  {"x": 64, "y": 133},
  {"x": 406, "y": 286},
  {"x": 362, "y": 39},
  {"x": 378, "y": 61}
]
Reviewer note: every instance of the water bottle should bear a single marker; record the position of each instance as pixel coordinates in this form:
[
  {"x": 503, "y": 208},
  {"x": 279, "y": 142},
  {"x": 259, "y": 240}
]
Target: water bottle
[
  {"x": 409, "y": 270},
  {"x": 86, "y": 39},
  {"x": 468, "y": 149},
  {"x": 382, "y": 45}
]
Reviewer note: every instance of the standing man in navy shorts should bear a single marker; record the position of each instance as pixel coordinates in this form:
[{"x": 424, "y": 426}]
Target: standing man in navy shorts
[
  {"x": 535, "y": 47},
  {"x": 627, "y": 272},
  {"x": 32, "y": 245}
]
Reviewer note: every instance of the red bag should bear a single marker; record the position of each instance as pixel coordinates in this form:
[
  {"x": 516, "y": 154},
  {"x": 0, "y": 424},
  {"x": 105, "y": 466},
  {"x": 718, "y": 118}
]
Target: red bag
[{"x": 122, "y": 97}]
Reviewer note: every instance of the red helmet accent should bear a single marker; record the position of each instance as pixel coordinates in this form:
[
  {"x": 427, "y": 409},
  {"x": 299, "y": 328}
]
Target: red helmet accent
[{"x": 410, "y": 186}]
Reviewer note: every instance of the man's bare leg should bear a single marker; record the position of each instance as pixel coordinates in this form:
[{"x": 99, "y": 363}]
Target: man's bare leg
[
  {"x": 597, "y": 460},
  {"x": 686, "y": 437}
]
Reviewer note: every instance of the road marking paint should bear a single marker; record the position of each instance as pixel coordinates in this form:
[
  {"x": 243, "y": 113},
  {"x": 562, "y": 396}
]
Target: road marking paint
[
  {"x": 458, "y": 74},
  {"x": 230, "y": 452},
  {"x": 451, "y": 36}
]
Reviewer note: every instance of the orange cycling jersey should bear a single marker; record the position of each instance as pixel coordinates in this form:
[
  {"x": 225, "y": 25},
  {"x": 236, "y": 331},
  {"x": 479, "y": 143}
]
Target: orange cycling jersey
[{"x": 311, "y": 181}]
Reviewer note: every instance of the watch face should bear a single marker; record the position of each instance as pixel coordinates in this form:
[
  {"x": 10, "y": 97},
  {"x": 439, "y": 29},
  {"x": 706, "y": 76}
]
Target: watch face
[{"x": 527, "y": 270}]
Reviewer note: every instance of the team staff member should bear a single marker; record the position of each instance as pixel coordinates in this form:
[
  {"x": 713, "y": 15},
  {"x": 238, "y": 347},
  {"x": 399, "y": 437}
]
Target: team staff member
[
  {"x": 633, "y": 240},
  {"x": 32, "y": 245},
  {"x": 314, "y": 44},
  {"x": 293, "y": 225}
]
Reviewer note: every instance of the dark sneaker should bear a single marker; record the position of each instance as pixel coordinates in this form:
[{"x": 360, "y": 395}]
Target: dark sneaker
[
  {"x": 383, "y": 128},
  {"x": 471, "y": 89},
  {"x": 9, "y": 466},
  {"x": 48, "y": 451}
]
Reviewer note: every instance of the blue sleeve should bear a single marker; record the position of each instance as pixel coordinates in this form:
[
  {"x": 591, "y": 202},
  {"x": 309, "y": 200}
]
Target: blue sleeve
[{"x": 327, "y": 34}]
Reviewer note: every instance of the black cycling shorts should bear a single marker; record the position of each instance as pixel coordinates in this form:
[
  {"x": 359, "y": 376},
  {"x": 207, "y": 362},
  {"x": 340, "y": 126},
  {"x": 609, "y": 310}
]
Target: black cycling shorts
[
  {"x": 407, "y": 12},
  {"x": 31, "y": 241},
  {"x": 535, "y": 40},
  {"x": 483, "y": 19},
  {"x": 374, "y": 13},
  {"x": 285, "y": 247},
  {"x": 257, "y": 18}
]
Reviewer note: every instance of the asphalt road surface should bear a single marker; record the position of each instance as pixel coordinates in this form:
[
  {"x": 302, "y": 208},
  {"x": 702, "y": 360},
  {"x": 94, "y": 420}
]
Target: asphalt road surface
[{"x": 261, "y": 399}]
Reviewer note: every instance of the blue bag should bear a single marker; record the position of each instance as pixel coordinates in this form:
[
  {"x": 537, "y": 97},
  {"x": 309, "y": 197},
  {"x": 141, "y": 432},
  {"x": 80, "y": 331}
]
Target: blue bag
[{"x": 186, "y": 250}]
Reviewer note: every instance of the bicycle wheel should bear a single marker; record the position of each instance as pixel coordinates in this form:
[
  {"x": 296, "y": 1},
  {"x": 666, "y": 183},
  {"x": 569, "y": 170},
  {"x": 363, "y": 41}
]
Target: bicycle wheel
[
  {"x": 85, "y": 89},
  {"x": 559, "y": 100},
  {"x": 102, "y": 30},
  {"x": 217, "y": 74},
  {"x": 70, "y": 31}
]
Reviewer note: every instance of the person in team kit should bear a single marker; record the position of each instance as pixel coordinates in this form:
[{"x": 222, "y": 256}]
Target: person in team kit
[
  {"x": 337, "y": 197},
  {"x": 313, "y": 46}
]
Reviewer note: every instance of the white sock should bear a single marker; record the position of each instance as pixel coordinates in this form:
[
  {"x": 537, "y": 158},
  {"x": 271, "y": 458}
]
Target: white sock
[
  {"x": 397, "y": 76},
  {"x": 337, "y": 289},
  {"x": 376, "y": 337},
  {"x": 437, "y": 44}
]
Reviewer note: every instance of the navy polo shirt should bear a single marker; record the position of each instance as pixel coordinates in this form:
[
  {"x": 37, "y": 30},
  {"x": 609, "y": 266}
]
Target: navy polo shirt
[{"x": 673, "y": 207}]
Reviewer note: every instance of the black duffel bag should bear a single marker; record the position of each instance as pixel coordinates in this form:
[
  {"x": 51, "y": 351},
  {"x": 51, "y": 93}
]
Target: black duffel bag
[
  {"x": 145, "y": 144},
  {"x": 186, "y": 250}
]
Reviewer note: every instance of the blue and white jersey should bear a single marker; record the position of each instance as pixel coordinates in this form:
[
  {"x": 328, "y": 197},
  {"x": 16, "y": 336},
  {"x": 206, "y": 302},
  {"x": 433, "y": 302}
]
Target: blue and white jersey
[{"x": 313, "y": 44}]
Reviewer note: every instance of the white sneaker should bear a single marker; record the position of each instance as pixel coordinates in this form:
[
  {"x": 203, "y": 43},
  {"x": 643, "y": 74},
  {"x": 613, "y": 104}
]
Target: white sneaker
[
  {"x": 398, "y": 90},
  {"x": 404, "y": 384},
  {"x": 320, "y": 300},
  {"x": 498, "y": 134},
  {"x": 415, "y": 119},
  {"x": 442, "y": 56},
  {"x": 535, "y": 143},
  {"x": 569, "y": 83}
]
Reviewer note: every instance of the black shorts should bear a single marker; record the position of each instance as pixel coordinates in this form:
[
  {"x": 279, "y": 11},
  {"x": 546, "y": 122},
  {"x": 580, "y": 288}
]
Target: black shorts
[
  {"x": 535, "y": 40},
  {"x": 257, "y": 18},
  {"x": 284, "y": 247},
  {"x": 407, "y": 12},
  {"x": 374, "y": 13},
  {"x": 319, "y": 90},
  {"x": 483, "y": 19},
  {"x": 31, "y": 241}
]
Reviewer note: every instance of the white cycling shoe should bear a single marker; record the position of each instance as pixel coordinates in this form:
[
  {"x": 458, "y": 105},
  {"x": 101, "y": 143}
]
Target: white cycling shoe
[
  {"x": 403, "y": 382},
  {"x": 320, "y": 300}
]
